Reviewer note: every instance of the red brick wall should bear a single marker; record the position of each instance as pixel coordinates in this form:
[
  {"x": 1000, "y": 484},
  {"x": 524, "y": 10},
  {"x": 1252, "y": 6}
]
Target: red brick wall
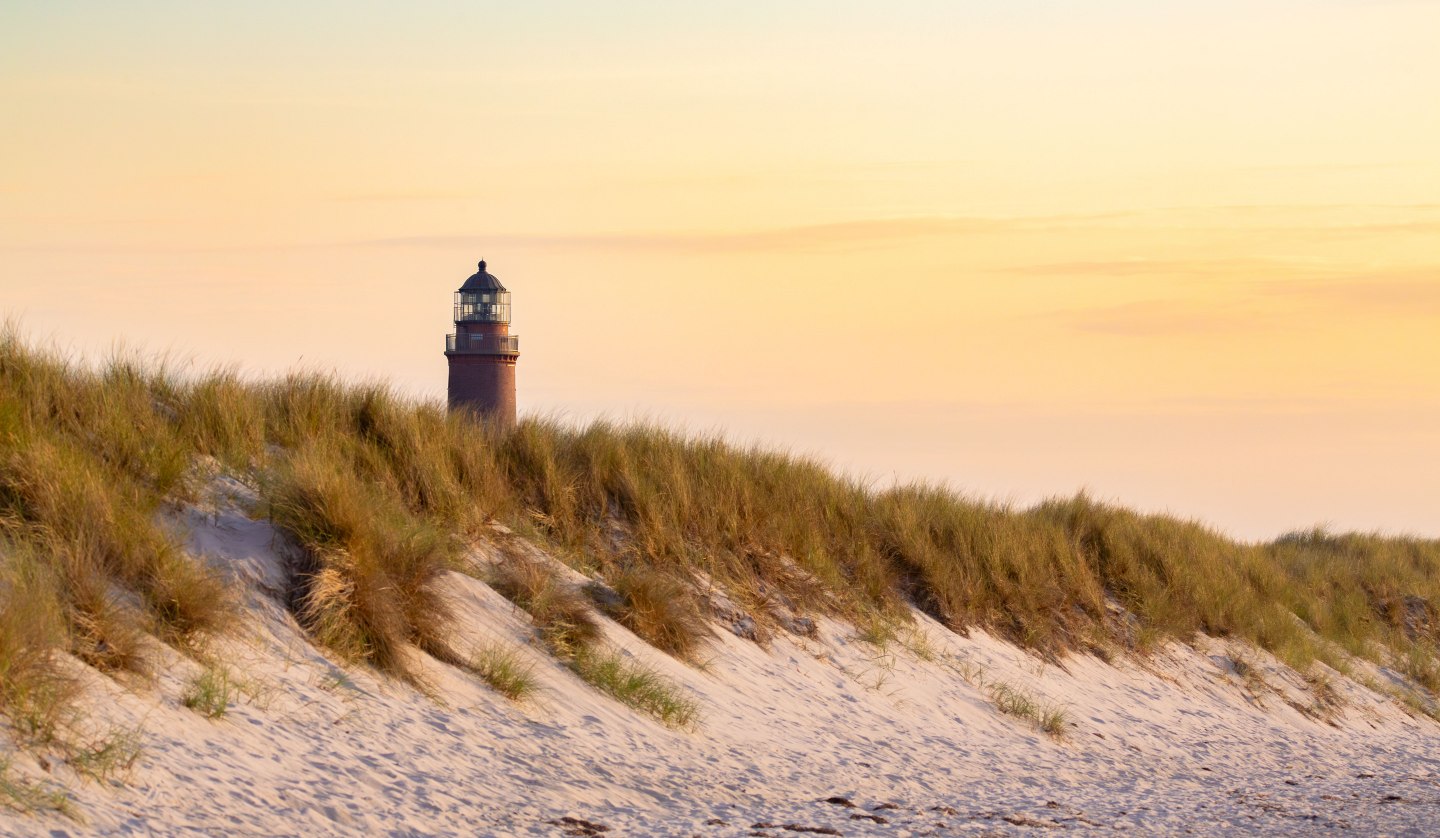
[{"x": 485, "y": 384}]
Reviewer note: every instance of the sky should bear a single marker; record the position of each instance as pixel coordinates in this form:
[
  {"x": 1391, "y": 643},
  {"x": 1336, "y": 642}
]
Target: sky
[{"x": 1182, "y": 255}]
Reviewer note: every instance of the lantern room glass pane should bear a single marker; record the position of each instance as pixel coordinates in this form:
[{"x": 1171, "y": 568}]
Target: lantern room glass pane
[{"x": 471, "y": 307}]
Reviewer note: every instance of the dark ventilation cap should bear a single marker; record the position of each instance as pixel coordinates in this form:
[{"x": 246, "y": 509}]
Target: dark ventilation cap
[{"x": 482, "y": 280}]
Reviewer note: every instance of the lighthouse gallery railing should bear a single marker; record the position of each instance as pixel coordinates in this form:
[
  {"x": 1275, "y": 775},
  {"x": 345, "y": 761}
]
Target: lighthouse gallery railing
[{"x": 485, "y": 345}]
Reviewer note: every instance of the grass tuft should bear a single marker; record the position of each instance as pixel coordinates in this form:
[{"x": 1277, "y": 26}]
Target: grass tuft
[
  {"x": 34, "y": 693},
  {"x": 1013, "y": 701},
  {"x": 19, "y": 794},
  {"x": 1251, "y": 675},
  {"x": 107, "y": 758},
  {"x": 1053, "y": 720},
  {"x": 878, "y": 630},
  {"x": 211, "y": 692},
  {"x": 660, "y": 609},
  {"x": 559, "y": 610},
  {"x": 505, "y": 671},
  {"x": 1326, "y": 701},
  {"x": 369, "y": 586},
  {"x": 1421, "y": 663},
  {"x": 637, "y": 686}
]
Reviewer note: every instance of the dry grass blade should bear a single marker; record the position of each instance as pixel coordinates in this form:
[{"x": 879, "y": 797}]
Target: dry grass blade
[
  {"x": 660, "y": 609},
  {"x": 560, "y": 611},
  {"x": 377, "y": 488}
]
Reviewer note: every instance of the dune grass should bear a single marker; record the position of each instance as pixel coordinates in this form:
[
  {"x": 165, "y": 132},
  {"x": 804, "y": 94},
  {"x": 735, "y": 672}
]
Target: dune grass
[
  {"x": 211, "y": 692},
  {"x": 1013, "y": 701},
  {"x": 558, "y": 609},
  {"x": 33, "y": 691},
  {"x": 634, "y": 684},
  {"x": 88, "y": 460},
  {"x": 107, "y": 757},
  {"x": 380, "y": 493},
  {"x": 368, "y": 586},
  {"x": 660, "y": 609},
  {"x": 20, "y": 794},
  {"x": 505, "y": 671}
]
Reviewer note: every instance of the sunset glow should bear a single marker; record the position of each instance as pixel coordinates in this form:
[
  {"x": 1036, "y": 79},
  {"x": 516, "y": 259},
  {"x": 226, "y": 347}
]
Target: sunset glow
[{"x": 1184, "y": 254}]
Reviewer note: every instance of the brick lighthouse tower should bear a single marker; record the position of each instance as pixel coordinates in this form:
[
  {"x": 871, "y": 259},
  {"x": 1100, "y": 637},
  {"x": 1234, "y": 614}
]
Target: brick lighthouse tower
[{"x": 482, "y": 352}]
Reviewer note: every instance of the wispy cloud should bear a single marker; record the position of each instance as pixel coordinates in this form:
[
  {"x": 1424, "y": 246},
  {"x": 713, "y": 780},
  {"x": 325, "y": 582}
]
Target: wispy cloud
[
  {"x": 1154, "y": 318},
  {"x": 1308, "y": 168},
  {"x": 408, "y": 196},
  {"x": 839, "y": 235},
  {"x": 1410, "y": 291},
  {"x": 1148, "y": 267},
  {"x": 1270, "y": 304},
  {"x": 862, "y": 234},
  {"x": 857, "y": 234}
]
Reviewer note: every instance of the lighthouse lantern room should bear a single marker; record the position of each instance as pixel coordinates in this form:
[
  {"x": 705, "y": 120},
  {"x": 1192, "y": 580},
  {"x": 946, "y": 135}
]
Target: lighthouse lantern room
[{"x": 481, "y": 351}]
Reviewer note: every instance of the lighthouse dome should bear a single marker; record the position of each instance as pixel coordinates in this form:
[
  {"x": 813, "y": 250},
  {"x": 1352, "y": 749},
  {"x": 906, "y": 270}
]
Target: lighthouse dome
[
  {"x": 482, "y": 299},
  {"x": 482, "y": 280}
]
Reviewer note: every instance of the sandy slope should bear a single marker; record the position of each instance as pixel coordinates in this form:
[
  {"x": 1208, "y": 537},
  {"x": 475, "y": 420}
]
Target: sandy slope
[{"x": 915, "y": 746}]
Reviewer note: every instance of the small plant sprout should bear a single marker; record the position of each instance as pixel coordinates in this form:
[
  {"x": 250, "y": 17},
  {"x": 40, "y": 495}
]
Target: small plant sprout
[
  {"x": 1013, "y": 701},
  {"x": 505, "y": 671},
  {"x": 211, "y": 692},
  {"x": 21, "y": 794},
  {"x": 107, "y": 758}
]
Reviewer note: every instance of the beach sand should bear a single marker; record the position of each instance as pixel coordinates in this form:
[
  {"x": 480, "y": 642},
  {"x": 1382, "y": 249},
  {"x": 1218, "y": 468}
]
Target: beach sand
[{"x": 823, "y": 733}]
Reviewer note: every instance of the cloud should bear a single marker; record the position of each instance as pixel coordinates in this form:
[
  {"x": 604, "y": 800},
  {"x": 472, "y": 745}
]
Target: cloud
[
  {"x": 840, "y": 235},
  {"x": 1147, "y": 267},
  {"x": 1270, "y": 304},
  {"x": 1310, "y": 168},
  {"x": 846, "y": 235},
  {"x": 1159, "y": 318},
  {"x": 407, "y": 196},
  {"x": 837, "y": 235},
  {"x": 1413, "y": 291}
]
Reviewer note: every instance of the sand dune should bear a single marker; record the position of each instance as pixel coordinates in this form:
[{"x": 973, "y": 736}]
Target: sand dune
[{"x": 822, "y": 735}]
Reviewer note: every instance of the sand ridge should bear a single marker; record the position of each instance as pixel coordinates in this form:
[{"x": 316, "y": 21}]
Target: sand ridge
[{"x": 823, "y": 735}]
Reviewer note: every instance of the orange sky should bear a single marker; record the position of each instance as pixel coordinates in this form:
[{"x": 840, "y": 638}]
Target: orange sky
[{"x": 1183, "y": 254}]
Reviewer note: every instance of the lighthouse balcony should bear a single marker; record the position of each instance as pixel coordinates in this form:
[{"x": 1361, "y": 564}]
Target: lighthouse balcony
[{"x": 482, "y": 344}]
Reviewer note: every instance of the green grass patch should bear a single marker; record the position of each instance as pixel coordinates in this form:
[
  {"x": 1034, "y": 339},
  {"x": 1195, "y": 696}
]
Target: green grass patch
[
  {"x": 107, "y": 758},
  {"x": 19, "y": 794},
  {"x": 506, "y": 671},
  {"x": 211, "y": 692},
  {"x": 1013, "y": 701},
  {"x": 637, "y": 686}
]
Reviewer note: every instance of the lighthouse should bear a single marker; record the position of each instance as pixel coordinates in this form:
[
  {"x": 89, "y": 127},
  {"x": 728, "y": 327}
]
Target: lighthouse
[{"x": 481, "y": 351}]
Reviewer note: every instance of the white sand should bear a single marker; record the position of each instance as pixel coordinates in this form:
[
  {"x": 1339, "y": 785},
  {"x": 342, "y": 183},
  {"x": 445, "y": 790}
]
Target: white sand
[{"x": 1175, "y": 746}]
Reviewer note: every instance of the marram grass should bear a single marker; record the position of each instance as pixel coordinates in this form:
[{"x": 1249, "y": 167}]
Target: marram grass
[
  {"x": 382, "y": 494},
  {"x": 505, "y": 671},
  {"x": 636, "y": 685}
]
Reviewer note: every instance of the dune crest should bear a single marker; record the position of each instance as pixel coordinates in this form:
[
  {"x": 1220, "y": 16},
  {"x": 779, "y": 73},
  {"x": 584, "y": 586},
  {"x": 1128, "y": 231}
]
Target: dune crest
[{"x": 830, "y": 732}]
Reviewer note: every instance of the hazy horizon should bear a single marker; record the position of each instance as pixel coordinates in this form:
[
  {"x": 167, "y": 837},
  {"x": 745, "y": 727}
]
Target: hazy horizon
[{"x": 1179, "y": 254}]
